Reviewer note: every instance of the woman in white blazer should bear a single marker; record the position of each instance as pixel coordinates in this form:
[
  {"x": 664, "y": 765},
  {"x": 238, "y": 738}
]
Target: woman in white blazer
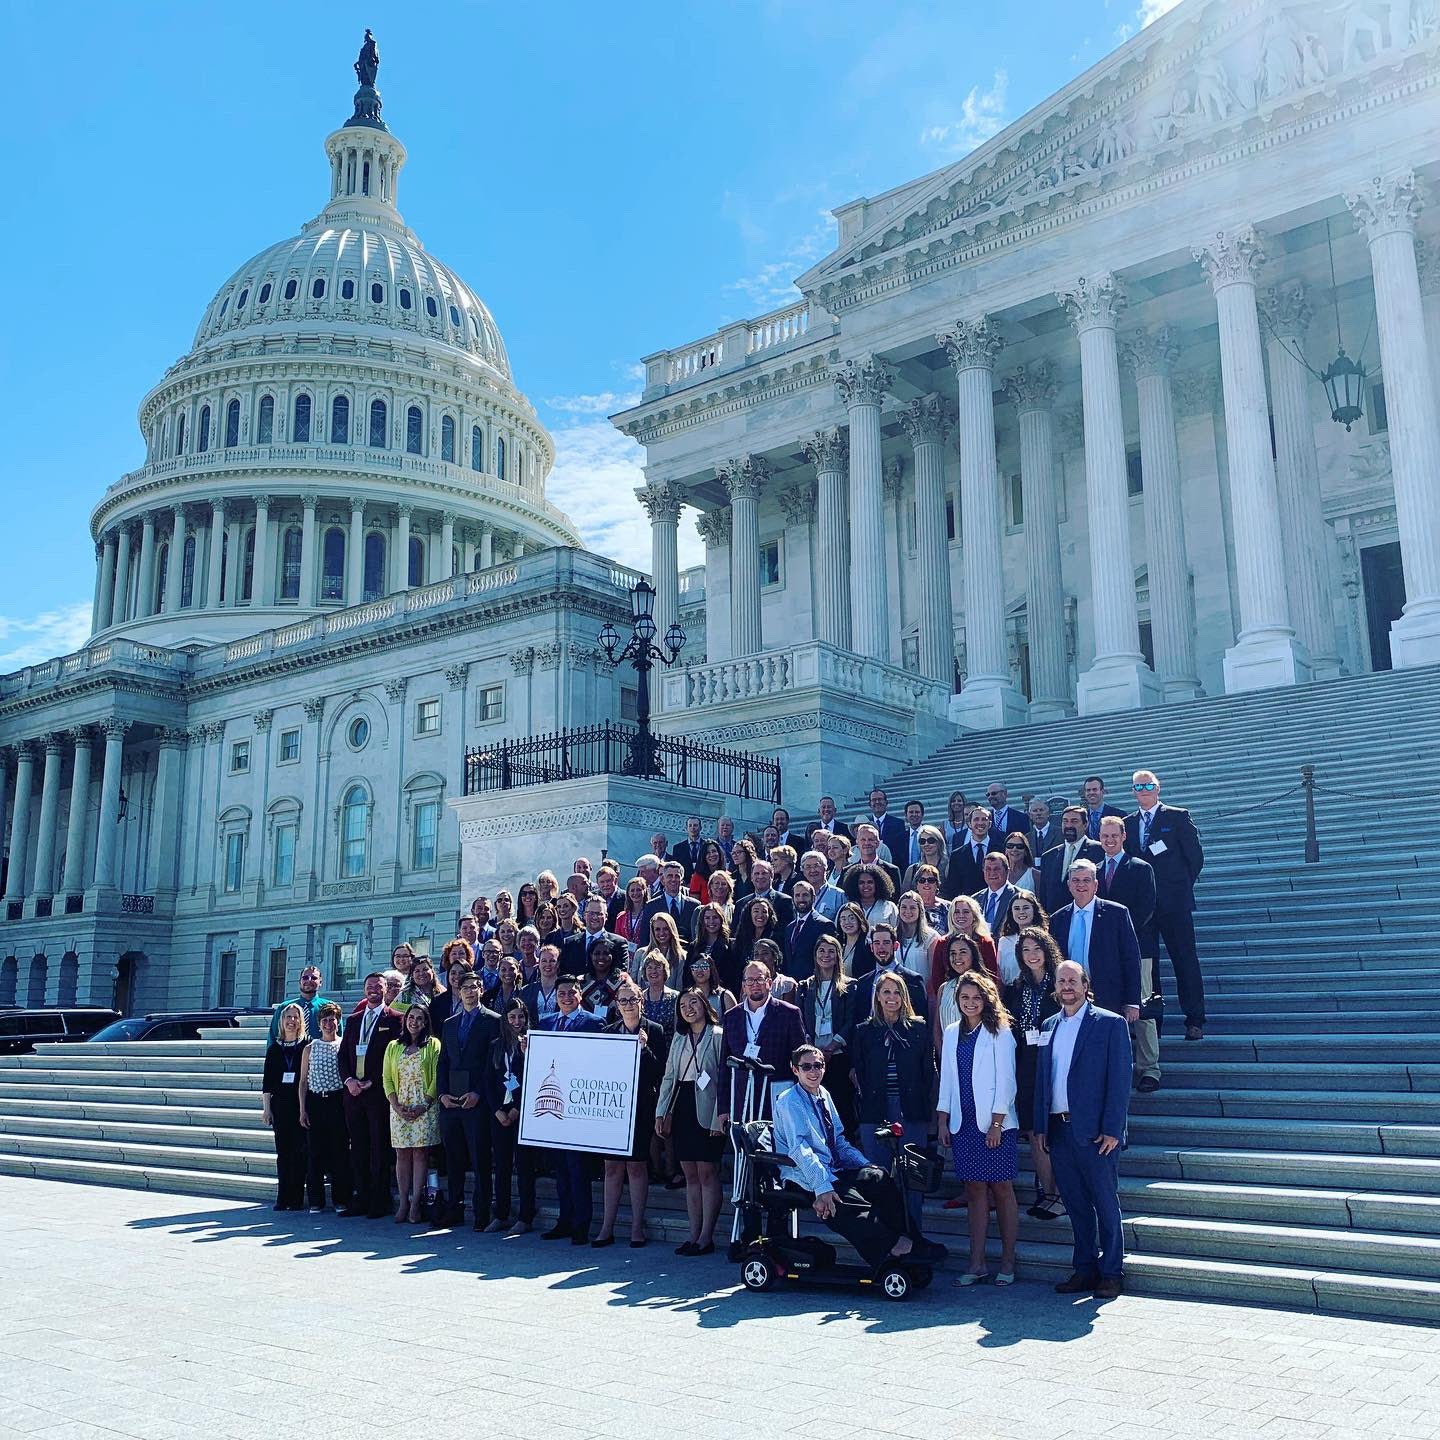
[
  {"x": 976, "y": 1115},
  {"x": 685, "y": 1113}
]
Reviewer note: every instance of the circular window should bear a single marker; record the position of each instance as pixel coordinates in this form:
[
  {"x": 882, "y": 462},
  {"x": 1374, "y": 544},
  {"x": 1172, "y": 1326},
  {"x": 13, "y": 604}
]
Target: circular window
[{"x": 358, "y": 734}]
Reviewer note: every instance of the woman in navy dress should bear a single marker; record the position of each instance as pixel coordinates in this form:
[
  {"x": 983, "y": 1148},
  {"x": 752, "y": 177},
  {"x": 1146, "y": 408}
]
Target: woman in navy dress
[{"x": 976, "y": 1114}]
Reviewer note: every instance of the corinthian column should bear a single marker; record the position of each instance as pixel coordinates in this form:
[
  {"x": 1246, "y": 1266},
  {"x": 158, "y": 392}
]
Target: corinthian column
[
  {"x": 1118, "y": 677},
  {"x": 20, "y": 820},
  {"x": 355, "y": 553},
  {"x": 928, "y": 421},
  {"x": 105, "y": 606},
  {"x": 662, "y": 504},
  {"x": 744, "y": 480},
  {"x": 145, "y": 599},
  {"x": 989, "y": 698},
  {"x": 73, "y": 882},
  {"x": 44, "y": 883},
  {"x": 1172, "y": 621},
  {"x": 714, "y": 528},
  {"x": 175, "y": 564},
  {"x": 1266, "y": 652},
  {"x": 217, "y": 555},
  {"x": 1032, "y": 392},
  {"x": 262, "y": 585},
  {"x": 120, "y": 612},
  {"x": 1297, "y": 478},
  {"x": 105, "y": 836},
  {"x": 862, "y": 384},
  {"x": 827, "y": 451},
  {"x": 1386, "y": 213}
]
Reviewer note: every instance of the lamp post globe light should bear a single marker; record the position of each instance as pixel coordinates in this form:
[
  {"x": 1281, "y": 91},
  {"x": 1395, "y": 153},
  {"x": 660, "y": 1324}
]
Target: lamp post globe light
[{"x": 642, "y": 653}]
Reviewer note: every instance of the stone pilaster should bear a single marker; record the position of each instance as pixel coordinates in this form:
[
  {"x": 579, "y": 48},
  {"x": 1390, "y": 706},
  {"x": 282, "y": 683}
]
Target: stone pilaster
[{"x": 714, "y": 530}]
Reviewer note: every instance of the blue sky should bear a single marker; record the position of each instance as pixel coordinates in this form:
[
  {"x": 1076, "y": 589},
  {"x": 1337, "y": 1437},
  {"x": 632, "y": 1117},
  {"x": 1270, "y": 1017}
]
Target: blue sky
[{"x": 612, "y": 180}]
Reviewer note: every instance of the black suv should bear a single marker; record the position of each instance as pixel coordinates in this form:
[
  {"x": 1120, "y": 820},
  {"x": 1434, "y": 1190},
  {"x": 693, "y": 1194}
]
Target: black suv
[
  {"x": 168, "y": 1025},
  {"x": 22, "y": 1030}
]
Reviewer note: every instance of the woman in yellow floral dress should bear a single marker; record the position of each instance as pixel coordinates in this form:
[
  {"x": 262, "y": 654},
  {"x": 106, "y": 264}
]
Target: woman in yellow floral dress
[{"x": 409, "y": 1080}]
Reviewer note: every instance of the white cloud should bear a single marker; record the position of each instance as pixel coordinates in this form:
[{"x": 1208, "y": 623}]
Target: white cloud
[
  {"x": 607, "y": 402},
  {"x": 773, "y": 285},
  {"x": 982, "y": 114},
  {"x": 1152, "y": 10},
  {"x": 42, "y": 637}
]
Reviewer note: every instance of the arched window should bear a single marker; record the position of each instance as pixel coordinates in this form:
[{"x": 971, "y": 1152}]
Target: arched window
[
  {"x": 187, "y": 573},
  {"x": 35, "y": 990},
  {"x": 354, "y": 818},
  {"x": 69, "y": 978},
  {"x": 454, "y": 317},
  {"x": 378, "y": 416},
  {"x": 416, "y": 572},
  {"x": 332, "y": 578},
  {"x": 317, "y": 290},
  {"x": 292, "y": 288},
  {"x": 162, "y": 569},
  {"x": 224, "y": 563},
  {"x": 477, "y": 448},
  {"x": 232, "y": 424},
  {"x": 180, "y": 434},
  {"x": 300, "y": 431},
  {"x": 447, "y": 439},
  {"x": 455, "y": 560},
  {"x": 365, "y": 178},
  {"x": 290, "y": 550},
  {"x": 244, "y": 296},
  {"x": 340, "y": 420},
  {"x": 9, "y": 968},
  {"x": 377, "y": 293},
  {"x": 264, "y": 294},
  {"x": 265, "y": 429},
  {"x": 414, "y": 425},
  {"x": 404, "y": 299},
  {"x": 431, "y": 308},
  {"x": 347, "y": 289},
  {"x": 247, "y": 567},
  {"x": 204, "y": 444},
  {"x": 500, "y": 457},
  {"x": 374, "y": 579}
]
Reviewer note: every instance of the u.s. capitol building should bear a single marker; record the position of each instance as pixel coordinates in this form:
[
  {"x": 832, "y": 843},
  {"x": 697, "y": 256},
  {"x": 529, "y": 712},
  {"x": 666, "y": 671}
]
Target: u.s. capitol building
[{"x": 1046, "y": 435}]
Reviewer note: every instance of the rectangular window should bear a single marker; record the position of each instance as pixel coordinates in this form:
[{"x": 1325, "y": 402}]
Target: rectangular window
[
  {"x": 240, "y": 757},
  {"x": 344, "y": 964},
  {"x": 1379, "y": 416},
  {"x": 769, "y": 563},
  {"x": 1134, "y": 472},
  {"x": 492, "y": 702},
  {"x": 234, "y": 862},
  {"x": 629, "y": 705},
  {"x": 427, "y": 825},
  {"x": 279, "y": 963},
  {"x": 427, "y": 717},
  {"x": 950, "y": 529},
  {"x": 225, "y": 990},
  {"x": 283, "y": 872},
  {"x": 289, "y": 751},
  {"x": 1017, "y": 502}
]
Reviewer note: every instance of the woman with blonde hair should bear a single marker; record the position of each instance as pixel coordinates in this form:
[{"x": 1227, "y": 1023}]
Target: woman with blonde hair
[
  {"x": 977, "y": 1119},
  {"x": 913, "y": 935},
  {"x": 721, "y": 889},
  {"x": 547, "y": 886},
  {"x": 280, "y": 1106},
  {"x": 966, "y": 918},
  {"x": 933, "y": 851}
]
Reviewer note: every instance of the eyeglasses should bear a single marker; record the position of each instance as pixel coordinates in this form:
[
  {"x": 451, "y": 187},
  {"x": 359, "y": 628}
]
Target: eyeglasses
[
  {"x": 811, "y": 1065},
  {"x": 1140, "y": 789},
  {"x": 627, "y": 1000}
]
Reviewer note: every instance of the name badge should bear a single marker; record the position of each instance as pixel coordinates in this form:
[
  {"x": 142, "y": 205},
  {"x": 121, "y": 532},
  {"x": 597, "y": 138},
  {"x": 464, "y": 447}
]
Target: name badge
[
  {"x": 1032, "y": 1037},
  {"x": 1158, "y": 847},
  {"x": 288, "y": 1078},
  {"x": 1044, "y": 1037},
  {"x": 511, "y": 1086},
  {"x": 752, "y": 1050},
  {"x": 702, "y": 1080},
  {"x": 360, "y": 1049}
]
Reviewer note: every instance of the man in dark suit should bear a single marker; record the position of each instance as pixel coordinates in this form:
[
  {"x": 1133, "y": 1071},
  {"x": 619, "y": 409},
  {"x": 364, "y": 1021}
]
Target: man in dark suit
[
  {"x": 1129, "y": 881},
  {"x": 367, "y": 1112},
  {"x": 762, "y": 879},
  {"x": 966, "y": 872},
  {"x": 1044, "y": 829},
  {"x": 882, "y": 946},
  {"x": 803, "y": 932},
  {"x": 867, "y": 843},
  {"x": 573, "y": 1170},
  {"x": 761, "y": 1028},
  {"x": 780, "y": 819},
  {"x": 1005, "y": 818},
  {"x": 827, "y": 822},
  {"x": 890, "y": 828},
  {"x": 1095, "y": 807},
  {"x": 995, "y": 895},
  {"x": 1166, "y": 837},
  {"x": 1082, "y": 1096},
  {"x": 1100, "y": 935},
  {"x": 576, "y": 947},
  {"x": 674, "y": 899},
  {"x": 1055, "y": 863},
  {"x": 465, "y": 1042},
  {"x": 687, "y": 851}
]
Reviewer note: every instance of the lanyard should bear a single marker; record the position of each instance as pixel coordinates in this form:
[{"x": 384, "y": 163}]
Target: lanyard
[
  {"x": 368, "y": 1021},
  {"x": 753, "y": 1024}
]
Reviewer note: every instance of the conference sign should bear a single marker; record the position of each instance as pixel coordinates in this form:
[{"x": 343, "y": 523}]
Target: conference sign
[{"x": 579, "y": 1092}]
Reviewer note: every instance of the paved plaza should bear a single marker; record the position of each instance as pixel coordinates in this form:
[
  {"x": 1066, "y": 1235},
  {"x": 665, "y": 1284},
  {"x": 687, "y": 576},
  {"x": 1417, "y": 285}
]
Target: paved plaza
[{"x": 161, "y": 1316}]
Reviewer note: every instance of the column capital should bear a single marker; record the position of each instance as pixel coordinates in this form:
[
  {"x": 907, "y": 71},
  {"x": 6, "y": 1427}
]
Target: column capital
[
  {"x": 1149, "y": 353},
  {"x": 862, "y": 381},
  {"x": 55, "y": 742},
  {"x": 406, "y": 508},
  {"x": 261, "y": 720},
  {"x": 264, "y": 502},
  {"x": 714, "y": 526},
  {"x": 522, "y": 661},
  {"x": 744, "y": 478},
  {"x": 1233, "y": 257},
  {"x": 662, "y": 501},
  {"x": 973, "y": 344},
  {"x": 173, "y": 738},
  {"x": 1093, "y": 302},
  {"x": 928, "y": 420},
  {"x": 797, "y": 503},
  {"x": 395, "y": 690},
  {"x": 309, "y": 500},
  {"x": 114, "y": 728},
  {"x": 314, "y": 708},
  {"x": 357, "y": 502},
  {"x": 1032, "y": 388},
  {"x": 455, "y": 674},
  {"x": 212, "y": 730},
  {"x": 1388, "y": 204},
  {"x": 449, "y": 517},
  {"x": 1288, "y": 309},
  {"x": 827, "y": 449},
  {"x": 81, "y": 735}
]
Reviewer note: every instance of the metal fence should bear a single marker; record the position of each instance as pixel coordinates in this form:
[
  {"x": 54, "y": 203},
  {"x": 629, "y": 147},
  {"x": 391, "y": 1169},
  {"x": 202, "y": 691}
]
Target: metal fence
[{"x": 613, "y": 749}]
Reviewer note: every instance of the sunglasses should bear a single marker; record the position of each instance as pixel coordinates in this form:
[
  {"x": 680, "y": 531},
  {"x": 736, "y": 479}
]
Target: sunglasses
[
  {"x": 928, "y": 840},
  {"x": 1148, "y": 785},
  {"x": 1014, "y": 847},
  {"x": 811, "y": 1065}
]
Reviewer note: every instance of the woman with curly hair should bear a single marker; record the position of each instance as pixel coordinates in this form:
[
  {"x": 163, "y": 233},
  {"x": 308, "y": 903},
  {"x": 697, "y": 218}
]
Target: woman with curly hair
[
  {"x": 757, "y": 921},
  {"x": 869, "y": 887}
]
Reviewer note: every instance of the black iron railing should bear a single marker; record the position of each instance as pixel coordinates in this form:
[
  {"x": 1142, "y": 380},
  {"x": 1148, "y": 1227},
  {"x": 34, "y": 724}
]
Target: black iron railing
[{"x": 612, "y": 749}]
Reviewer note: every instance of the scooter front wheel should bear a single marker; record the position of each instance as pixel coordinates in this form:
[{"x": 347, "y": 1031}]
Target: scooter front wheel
[
  {"x": 757, "y": 1273},
  {"x": 895, "y": 1283}
]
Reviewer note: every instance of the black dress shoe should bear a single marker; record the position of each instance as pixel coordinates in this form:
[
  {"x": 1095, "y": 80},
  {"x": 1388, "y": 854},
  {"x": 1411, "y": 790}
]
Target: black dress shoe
[
  {"x": 560, "y": 1232},
  {"x": 704, "y": 1249},
  {"x": 602, "y": 1244},
  {"x": 1077, "y": 1284},
  {"x": 1108, "y": 1287},
  {"x": 1194, "y": 1032},
  {"x": 582, "y": 1239},
  {"x": 688, "y": 1248},
  {"x": 1147, "y": 1084}
]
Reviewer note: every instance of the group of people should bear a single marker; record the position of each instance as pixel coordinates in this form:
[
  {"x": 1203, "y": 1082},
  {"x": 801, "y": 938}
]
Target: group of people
[{"x": 977, "y": 981}]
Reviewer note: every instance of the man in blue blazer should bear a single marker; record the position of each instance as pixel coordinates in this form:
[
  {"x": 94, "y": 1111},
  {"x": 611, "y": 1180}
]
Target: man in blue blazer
[
  {"x": 890, "y": 827},
  {"x": 1055, "y": 862},
  {"x": 882, "y": 946},
  {"x": 572, "y": 1169},
  {"x": 465, "y": 1042},
  {"x": 1082, "y": 1093},
  {"x": 681, "y": 905},
  {"x": 1101, "y": 936}
]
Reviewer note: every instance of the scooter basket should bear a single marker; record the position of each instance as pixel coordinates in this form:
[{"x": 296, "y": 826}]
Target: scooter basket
[{"x": 917, "y": 1169}]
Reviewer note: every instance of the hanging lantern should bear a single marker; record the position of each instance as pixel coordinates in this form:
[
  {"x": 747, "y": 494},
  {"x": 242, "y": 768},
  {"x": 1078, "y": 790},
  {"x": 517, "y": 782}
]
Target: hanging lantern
[{"x": 1344, "y": 382}]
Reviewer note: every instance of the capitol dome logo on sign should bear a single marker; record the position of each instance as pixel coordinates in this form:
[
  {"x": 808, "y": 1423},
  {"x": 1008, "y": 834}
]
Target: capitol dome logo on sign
[{"x": 551, "y": 1098}]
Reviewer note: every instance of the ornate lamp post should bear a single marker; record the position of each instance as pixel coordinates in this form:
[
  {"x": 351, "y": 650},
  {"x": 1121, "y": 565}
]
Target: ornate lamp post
[{"x": 642, "y": 652}]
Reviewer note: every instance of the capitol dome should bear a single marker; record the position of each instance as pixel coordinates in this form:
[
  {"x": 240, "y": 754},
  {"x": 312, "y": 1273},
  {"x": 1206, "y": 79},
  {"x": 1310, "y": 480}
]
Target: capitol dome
[{"x": 345, "y": 426}]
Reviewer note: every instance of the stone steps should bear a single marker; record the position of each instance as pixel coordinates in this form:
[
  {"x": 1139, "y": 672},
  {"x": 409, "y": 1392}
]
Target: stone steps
[{"x": 1181, "y": 1075}]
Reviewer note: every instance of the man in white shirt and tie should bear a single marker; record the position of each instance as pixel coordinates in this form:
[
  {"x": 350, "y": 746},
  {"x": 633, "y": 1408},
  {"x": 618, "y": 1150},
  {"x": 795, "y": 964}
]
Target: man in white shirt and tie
[
  {"x": 914, "y": 819},
  {"x": 675, "y": 901},
  {"x": 1082, "y": 1090},
  {"x": 1044, "y": 832}
]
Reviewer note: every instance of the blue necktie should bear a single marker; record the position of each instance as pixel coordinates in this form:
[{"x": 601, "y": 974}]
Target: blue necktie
[
  {"x": 827, "y": 1125},
  {"x": 1080, "y": 931},
  {"x": 990, "y": 904}
]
